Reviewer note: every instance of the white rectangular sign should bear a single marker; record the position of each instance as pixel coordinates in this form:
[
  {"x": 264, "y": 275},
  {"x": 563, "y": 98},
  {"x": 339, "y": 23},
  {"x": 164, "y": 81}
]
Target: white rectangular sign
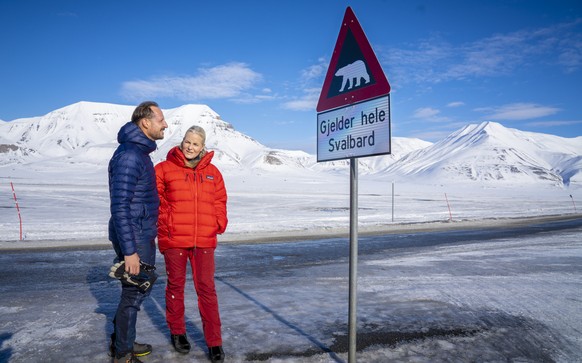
[{"x": 361, "y": 129}]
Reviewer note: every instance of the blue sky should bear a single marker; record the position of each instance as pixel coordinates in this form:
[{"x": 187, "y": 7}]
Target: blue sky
[{"x": 261, "y": 64}]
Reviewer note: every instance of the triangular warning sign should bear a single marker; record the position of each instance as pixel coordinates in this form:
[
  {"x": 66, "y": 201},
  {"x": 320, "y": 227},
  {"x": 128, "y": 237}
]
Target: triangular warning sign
[{"x": 354, "y": 73}]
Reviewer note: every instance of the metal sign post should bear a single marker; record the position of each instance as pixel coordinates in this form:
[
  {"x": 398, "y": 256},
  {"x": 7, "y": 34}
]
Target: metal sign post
[
  {"x": 352, "y": 315},
  {"x": 353, "y": 120}
]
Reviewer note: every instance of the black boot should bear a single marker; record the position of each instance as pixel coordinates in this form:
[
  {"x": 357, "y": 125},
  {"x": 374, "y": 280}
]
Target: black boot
[
  {"x": 180, "y": 343},
  {"x": 216, "y": 354},
  {"x": 128, "y": 358},
  {"x": 139, "y": 349}
]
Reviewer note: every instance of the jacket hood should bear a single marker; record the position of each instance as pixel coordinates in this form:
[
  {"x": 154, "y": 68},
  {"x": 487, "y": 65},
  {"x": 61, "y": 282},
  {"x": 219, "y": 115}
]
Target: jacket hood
[
  {"x": 131, "y": 133},
  {"x": 176, "y": 156}
]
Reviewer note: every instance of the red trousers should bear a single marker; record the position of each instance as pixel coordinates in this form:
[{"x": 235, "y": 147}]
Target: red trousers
[{"x": 202, "y": 264}]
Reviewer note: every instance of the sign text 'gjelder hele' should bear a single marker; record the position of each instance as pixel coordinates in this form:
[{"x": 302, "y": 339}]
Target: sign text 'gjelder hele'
[
  {"x": 327, "y": 127},
  {"x": 362, "y": 128}
]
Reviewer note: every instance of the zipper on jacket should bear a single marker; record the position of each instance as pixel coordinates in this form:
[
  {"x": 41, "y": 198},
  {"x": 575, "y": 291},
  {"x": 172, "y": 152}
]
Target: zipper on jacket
[{"x": 195, "y": 196}]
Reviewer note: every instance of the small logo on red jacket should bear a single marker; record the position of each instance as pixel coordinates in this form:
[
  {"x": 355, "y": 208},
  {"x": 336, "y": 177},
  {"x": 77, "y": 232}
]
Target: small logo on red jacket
[{"x": 210, "y": 177}]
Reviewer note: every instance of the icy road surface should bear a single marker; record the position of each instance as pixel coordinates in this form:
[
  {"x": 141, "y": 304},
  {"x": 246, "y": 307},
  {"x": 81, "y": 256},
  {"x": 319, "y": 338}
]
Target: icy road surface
[{"x": 493, "y": 295}]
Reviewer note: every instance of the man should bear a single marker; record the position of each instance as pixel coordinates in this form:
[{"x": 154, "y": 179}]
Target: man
[{"x": 132, "y": 227}]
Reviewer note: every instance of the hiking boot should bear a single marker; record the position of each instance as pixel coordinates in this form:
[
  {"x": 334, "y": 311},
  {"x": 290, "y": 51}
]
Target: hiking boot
[
  {"x": 216, "y": 354},
  {"x": 180, "y": 343},
  {"x": 139, "y": 349},
  {"x": 128, "y": 358}
]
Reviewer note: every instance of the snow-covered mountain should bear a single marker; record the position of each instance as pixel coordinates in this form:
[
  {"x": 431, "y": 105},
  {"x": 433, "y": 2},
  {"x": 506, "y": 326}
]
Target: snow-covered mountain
[
  {"x": 492, "y": 152},
  {"x": 84, "y": 135},
  {"x": 87, "y": 133}
]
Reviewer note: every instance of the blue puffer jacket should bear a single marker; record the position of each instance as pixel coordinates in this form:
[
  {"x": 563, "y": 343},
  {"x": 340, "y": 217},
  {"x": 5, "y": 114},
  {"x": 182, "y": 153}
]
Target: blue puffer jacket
[{"x": 134, "y": 196}]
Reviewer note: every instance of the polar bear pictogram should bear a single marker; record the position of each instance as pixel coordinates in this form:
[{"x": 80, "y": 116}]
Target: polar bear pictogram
[{"x": 352, "y": 74}]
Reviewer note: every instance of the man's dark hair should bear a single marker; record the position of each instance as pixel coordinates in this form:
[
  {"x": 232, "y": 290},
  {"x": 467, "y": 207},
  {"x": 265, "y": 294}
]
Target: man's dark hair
[{"x": 143, "y": 111}]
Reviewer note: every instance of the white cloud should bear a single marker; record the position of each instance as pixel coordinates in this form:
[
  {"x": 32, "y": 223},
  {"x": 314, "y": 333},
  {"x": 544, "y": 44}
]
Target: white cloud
[
  {"x": 315, "y": 72},
  {"x": 555, "y": 123},
  {"x": 426, "y": 112},
  {"x": 455, "y": 104},
  {"x": 307, "y": 102},
  {"x": 247, "y": 98},
  {"x": 436, "y": 60},
  {"x": 224, "y": 81},
  {"x": 570, "y": 52},
  {"x": 518, "y": 111},
  {"x": 309, "y": 84},
  {"x": 430, "y": 114}
]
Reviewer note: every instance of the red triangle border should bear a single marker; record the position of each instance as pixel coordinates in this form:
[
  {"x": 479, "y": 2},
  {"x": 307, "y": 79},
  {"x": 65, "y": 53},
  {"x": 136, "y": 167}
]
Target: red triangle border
[{"x": 379, "y": 88}]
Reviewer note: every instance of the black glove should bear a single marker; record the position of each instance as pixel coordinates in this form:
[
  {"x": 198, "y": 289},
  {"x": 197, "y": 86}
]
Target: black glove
[{"x": 144, "y": 280}]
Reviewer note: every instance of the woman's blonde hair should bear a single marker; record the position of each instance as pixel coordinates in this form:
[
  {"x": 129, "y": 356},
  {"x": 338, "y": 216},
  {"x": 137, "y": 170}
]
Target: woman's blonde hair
[{"x": 198, "y": 131}]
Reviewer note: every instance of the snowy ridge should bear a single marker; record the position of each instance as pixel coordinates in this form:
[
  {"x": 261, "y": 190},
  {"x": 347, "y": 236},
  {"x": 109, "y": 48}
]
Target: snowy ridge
[
  {"x": 84, "y": 135},
  {"x": 490, "y": 152}
]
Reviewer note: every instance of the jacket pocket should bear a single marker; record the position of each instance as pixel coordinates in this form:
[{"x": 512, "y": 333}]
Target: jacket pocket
[{"x": 170, "y": 224}]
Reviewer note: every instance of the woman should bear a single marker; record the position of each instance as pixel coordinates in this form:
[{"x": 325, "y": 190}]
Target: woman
[{"x": 192, "y": 213}]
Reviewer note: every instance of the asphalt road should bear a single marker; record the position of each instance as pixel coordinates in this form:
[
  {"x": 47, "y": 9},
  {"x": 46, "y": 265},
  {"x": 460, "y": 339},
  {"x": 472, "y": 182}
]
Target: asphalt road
[{"x": 67, "y": 290}]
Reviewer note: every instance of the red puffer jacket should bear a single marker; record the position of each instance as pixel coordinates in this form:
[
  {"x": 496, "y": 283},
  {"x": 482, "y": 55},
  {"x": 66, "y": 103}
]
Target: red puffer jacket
[{"x": 192, "y": 202}]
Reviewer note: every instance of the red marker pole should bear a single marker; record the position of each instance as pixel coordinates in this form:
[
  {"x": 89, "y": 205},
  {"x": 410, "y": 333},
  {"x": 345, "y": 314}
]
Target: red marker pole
[
  {"x": 17, "y": 208},
  {"x": 449, "y": 206}
]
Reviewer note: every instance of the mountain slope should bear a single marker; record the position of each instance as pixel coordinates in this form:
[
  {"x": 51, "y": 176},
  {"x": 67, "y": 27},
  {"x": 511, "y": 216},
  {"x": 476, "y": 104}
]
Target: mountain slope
[
  {"x": 85, "y": 133},
  {"x": 490, "y": 152},
  {"x": 83, "y": 136}
]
